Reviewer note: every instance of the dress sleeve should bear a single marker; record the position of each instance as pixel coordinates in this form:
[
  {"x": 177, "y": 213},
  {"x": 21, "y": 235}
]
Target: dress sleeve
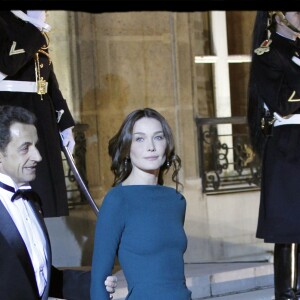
[{"x": 109, "y": 227}]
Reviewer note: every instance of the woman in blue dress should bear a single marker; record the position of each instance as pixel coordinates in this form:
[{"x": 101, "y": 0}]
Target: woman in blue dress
[{"x": 144, "y": 219}]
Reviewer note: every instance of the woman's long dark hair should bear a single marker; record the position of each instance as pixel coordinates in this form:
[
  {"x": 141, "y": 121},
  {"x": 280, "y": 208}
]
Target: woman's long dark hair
[
  {"x": 255, "y": 107},
  {"x": 119, "y": 147}
]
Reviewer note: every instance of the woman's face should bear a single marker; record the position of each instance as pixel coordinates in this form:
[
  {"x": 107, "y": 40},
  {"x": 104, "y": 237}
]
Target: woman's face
[{"x": 148, "y": 146}]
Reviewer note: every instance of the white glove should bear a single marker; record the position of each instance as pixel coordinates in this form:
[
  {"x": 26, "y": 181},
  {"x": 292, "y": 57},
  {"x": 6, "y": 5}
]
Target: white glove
[
  {"x": 68, "y": 139},
  {"x": 40, "y": 15},
  {"x": 111, "y": 284}
]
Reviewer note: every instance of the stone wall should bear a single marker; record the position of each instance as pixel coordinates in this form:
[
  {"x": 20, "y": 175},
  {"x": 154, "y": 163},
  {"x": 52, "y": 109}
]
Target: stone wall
[{"x": 109, "y": 64}]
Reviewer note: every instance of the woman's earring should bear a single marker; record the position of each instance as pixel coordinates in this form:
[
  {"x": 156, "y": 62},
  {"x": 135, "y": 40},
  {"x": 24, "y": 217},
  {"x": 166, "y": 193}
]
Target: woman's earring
[
  {"x": 126, "y": 163},
  {"x": 168, "y": 164}
]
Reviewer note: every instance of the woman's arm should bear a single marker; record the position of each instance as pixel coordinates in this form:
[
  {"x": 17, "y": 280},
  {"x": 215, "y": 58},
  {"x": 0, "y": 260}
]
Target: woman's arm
[{"x": 109, "y": 228}]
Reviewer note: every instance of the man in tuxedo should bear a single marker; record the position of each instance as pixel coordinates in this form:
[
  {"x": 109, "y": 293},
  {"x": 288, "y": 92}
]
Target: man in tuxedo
[{"x": 25, "y": 252}]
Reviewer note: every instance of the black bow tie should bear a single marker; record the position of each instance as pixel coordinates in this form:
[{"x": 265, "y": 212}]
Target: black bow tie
[
  {"x": 25, "y": 194},
  {"x": 20, "y": 193}
]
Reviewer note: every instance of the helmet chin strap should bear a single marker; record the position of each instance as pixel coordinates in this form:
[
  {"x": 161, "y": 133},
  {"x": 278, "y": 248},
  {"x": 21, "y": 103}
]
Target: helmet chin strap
[{"x": 283, "y": 19}]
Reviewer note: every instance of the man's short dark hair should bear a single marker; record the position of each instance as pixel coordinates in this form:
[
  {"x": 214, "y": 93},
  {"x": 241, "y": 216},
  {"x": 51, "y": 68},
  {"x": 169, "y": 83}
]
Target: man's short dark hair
[{"x": 10, "y": 115}]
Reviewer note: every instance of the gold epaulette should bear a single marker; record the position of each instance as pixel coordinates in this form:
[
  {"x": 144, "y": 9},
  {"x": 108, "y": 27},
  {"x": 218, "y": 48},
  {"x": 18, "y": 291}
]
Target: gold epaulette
[{"x": 263, "y": 48}]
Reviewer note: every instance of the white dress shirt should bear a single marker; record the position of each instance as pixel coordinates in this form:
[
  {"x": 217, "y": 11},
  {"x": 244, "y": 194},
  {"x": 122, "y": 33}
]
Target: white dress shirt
[{"x": 25, "y": 220}]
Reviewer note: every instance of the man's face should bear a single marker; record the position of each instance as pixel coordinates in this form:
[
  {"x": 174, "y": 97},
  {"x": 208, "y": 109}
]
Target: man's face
[
  {"x": 293, "y": 17},
  {"x": 21, "y": 156}
]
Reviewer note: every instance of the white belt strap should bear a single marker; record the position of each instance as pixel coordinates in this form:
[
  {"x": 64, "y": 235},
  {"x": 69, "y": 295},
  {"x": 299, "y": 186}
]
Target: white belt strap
[
  {"x": 19, "y": 86},
  {"x": 289, "y": 119},
  {"x": 266, "y": 106},
  {"x": 2, "y": 76}
]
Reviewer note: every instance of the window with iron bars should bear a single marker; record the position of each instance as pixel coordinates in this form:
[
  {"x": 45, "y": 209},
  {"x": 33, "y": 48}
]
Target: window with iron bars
[{"x": 227, "y": 162}]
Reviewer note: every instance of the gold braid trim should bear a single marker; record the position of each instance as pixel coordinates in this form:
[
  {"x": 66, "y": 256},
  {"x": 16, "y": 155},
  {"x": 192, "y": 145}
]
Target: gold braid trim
[
  {"x": 46, "y": 54},
  {"x": 45, "y": 47}
]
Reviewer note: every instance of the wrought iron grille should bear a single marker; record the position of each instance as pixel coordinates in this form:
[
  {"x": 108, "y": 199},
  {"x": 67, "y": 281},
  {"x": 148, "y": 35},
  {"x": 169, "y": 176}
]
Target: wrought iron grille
[
  {"x": 75, "y": 196},
  {"x": 226, "y": 160}
]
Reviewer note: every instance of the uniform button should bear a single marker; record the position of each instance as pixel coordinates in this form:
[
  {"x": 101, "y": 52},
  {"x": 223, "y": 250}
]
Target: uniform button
[{"x": 41, "y": 65}]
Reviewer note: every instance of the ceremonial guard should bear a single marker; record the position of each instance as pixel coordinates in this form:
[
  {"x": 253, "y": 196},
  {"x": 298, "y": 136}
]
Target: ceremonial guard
[
  {"x": 27, "y": 79},
  {"x": 274, "y": 123}
]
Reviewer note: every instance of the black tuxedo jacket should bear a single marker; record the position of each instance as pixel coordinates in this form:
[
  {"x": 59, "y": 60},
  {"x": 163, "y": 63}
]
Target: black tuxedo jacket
[{"x": 17, "y": 279}]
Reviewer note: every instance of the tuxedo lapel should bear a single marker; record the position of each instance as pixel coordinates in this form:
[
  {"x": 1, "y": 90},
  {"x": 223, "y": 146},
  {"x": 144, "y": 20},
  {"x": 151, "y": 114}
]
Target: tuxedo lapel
[{"x": 10, "y": 232}]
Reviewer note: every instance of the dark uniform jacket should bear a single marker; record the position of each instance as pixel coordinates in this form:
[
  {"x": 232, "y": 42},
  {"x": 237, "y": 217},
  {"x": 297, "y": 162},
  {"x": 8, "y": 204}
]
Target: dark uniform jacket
[
  {"x": 19, "y": 42},
  {"x": 277, "y": 79},
  {"x": 17, "y": 274}
]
